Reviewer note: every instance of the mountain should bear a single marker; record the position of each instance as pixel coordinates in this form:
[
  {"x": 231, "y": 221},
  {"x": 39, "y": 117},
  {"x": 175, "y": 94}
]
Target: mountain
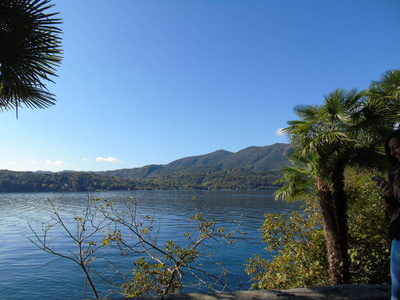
[
  {"x": 265, "y": 158},
  {"x": 259, "y": 158},
  {"x": 211, "y": 159},
  {"x": 250, "y": 168}
]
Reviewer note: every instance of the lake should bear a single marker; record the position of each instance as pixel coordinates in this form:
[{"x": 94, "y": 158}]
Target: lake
[{"x": 28, "y": 272}]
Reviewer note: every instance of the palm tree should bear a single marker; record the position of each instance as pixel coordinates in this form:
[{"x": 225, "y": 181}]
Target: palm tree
[
  {"x": 388, "y": 86},
  {"x": 329, "y": 138},
  {"x": 298, "y": 178},
  {"x": 385, "y": 94},
  {"x": 30, "y": 51}
]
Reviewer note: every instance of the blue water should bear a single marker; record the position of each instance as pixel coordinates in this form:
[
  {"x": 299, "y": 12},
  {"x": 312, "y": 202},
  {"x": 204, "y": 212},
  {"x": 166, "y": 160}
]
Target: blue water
[{"x": 28, "y": 272}]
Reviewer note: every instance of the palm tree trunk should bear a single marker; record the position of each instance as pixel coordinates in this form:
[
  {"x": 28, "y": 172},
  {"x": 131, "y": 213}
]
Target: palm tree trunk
[
  {"x": 340, "y": 202},
  {"x": 332, "y": 237}
]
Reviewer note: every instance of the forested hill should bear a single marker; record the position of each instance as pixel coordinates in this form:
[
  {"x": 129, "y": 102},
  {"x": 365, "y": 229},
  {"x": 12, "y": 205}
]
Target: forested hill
[
  {"x": 266, "y": 158},
  {"x": 250, "y": 168}
]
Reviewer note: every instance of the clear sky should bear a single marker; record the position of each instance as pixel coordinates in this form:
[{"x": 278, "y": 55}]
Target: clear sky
[{"x": 148, "y": 82}]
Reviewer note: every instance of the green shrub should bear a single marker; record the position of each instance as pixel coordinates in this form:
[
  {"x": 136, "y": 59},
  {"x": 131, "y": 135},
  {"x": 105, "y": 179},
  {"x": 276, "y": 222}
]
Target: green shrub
[{"x": 297, "y": 244}]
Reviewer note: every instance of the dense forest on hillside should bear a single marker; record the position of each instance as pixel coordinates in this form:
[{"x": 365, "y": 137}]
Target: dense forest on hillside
[
  {"x": 266, "y": 158},
  {"x": 250, "y": 168},
  {"x": 11, "y": 181}
]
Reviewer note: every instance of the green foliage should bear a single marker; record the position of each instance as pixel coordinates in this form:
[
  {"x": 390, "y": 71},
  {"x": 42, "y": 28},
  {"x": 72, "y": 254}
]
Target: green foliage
[
  {"x": 298, "y": 248},
  {"x": 368, "y": 236},
  {"x": 347, "y": 130},
  {"x": 298, "y": 179},
  {"x": 11, "y": 181},
  {"x": 388, "y": 87},
  {"x": 297, "y": 242},
  {"x": 267, "y": 158},
  {"x": 224, "y": 179},
  {"x": 205, "y": 172},
  {"x": 162, "y": 271},
  {"x": 157, "y": 269},
  {"x": 148, "y": 278},
  {"x": 29, "y": 54}
]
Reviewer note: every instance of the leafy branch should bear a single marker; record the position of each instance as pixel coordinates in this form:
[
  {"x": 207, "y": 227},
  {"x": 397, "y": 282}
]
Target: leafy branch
[{"x": 158, "y": 268}]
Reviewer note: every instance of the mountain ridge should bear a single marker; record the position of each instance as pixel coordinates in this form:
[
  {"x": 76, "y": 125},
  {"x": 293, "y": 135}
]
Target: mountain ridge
[
  {"x": 256, "y": 158},
  {"x": 250, "y": 168}
]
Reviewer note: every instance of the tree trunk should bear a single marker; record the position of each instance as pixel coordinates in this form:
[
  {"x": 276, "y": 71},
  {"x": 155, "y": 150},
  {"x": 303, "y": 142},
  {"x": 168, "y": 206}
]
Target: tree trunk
[
  {"x": 335, "y": 255},
  {"x": 340, "y": 202}
]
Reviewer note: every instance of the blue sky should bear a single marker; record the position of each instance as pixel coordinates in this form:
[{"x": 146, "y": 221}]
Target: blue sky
[{"x": 148, "y": 82}]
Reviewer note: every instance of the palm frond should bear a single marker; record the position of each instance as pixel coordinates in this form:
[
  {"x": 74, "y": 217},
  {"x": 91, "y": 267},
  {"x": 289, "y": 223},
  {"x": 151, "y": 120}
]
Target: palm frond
[
  {"x": 388, "y": 87},
  {"x": 307, "y": 112},
  {"x": 298, "y": 179},
  {"x": 30, "y": 52}
]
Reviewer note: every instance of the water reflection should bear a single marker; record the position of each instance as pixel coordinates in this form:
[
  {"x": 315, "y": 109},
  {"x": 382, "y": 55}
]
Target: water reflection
[{"x": 29, "y": 272}]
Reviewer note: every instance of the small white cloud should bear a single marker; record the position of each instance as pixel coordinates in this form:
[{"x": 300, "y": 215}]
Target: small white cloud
[
  {"x": 108, "y": 159},
  {"x": 280, "y": 132},
  {"x": 54, "y": 163},
  {"x": 85, "y": 159}
]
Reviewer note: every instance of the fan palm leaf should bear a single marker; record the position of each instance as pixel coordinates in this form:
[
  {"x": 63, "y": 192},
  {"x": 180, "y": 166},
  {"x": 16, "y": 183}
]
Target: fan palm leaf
[
  {"x": 347, "y": 130},
  {"x": 30, "y": 52},
  {"x": 298, "y": 178},
  {"x": 388, "y": 86}
]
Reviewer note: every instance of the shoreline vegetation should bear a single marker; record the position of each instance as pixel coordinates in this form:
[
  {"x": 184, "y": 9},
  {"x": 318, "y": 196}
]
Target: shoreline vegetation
[
  {"x": 253, "y": 168},
  {"x": 235, "y": 179}
]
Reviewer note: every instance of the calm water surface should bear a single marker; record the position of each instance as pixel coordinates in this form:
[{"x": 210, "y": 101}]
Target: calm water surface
[{"x": 28, "y": 272}]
